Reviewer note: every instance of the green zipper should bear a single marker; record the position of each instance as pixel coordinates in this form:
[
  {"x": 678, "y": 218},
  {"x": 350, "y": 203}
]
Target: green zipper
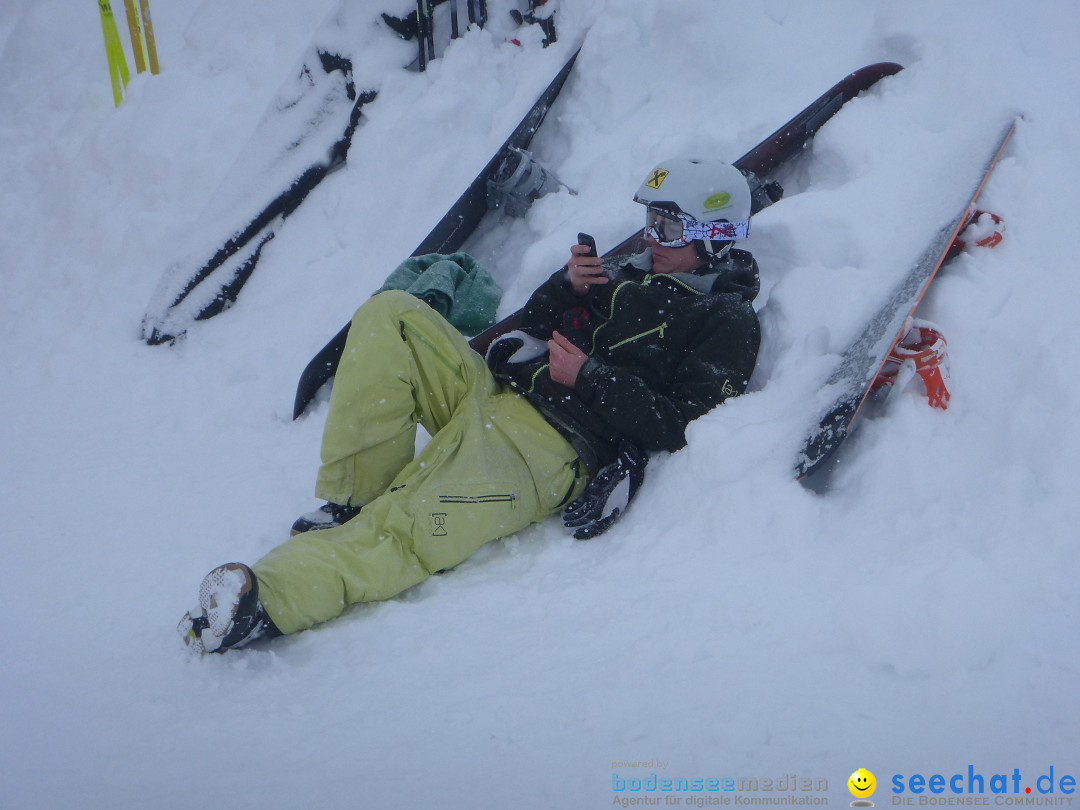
[
  {"x": 532, "y": 380},
  {"x": 623, "y": 342},
  {"x": 610, "y": 316},
  {"x": 508, "y": 497}
]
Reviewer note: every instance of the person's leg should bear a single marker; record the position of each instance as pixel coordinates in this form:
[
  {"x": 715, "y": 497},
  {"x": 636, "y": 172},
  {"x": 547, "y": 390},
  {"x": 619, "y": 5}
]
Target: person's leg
[
  {"x": 493, "y": 469},
  {"x": 493, "y": 466},
  {"x": 402, "y": 363}
]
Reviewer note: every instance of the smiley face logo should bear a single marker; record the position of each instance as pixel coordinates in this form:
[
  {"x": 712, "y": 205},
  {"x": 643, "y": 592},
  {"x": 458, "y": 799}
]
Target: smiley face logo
[{"x": 862, "y": 784}]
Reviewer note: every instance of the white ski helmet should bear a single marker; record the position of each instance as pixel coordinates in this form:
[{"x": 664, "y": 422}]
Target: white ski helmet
[{"x": 702, "y": 190}]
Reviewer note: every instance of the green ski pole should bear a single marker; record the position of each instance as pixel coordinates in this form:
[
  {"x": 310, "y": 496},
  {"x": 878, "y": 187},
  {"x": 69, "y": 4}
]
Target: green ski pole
[{"x": 118, "y": 69}]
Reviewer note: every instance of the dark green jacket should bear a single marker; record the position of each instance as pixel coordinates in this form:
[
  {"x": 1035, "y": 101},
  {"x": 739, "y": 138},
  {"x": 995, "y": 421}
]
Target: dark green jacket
[{"x": 663, "y": 350}]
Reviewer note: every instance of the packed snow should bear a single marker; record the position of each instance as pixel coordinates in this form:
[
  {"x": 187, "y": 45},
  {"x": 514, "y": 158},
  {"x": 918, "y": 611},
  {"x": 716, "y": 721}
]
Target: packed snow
[{"x": 921, "y": 617}]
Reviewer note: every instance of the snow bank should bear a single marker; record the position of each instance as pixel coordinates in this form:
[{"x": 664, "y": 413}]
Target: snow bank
[{"x": 915, "y": 619}]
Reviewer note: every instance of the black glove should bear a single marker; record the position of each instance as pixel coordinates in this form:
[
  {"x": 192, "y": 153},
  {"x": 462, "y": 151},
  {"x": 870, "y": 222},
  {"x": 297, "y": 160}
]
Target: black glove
[
  {"x": 607, "y": 494},
  {"x": 513, "y": 347}
]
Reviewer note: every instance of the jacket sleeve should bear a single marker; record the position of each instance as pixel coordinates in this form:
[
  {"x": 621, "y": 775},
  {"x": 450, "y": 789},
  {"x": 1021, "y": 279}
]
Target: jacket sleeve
[
  {"x": 543, "y": 312},
  {"x": 718, "y": 365}
]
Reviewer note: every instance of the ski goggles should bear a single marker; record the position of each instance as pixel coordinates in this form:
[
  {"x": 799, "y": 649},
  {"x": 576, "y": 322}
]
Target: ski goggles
[{"x": 676, "y": 229}]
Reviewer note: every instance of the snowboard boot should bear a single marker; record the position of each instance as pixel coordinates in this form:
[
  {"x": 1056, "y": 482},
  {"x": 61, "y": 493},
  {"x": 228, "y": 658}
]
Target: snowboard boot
[
  {"x": 326, "y": 516},
  {"x": 229, "y": 614}
]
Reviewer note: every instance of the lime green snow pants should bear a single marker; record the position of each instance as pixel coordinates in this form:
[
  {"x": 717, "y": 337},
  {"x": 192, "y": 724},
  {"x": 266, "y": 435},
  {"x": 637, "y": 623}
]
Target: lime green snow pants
[{"x": 492, "y": 467}]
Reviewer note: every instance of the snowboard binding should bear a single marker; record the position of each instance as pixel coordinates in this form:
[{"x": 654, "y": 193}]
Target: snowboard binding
[
  {"x": 985, "y": 230},
  {"x": 923, "y": 351}
]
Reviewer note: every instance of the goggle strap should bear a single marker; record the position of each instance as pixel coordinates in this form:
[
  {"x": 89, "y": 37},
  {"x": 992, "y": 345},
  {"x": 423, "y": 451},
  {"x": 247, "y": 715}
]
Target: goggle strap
[
  {"x": 694, "y": 230},
  {"x": 712, "y": 231}
]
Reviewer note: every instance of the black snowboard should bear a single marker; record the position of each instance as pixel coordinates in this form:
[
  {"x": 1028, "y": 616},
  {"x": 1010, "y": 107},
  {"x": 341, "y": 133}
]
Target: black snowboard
[{"x": 448, "y": 235}]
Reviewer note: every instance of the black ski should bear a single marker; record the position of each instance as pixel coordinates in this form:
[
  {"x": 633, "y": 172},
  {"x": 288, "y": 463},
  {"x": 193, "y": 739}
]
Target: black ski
[{"x": 863, "y": 361}]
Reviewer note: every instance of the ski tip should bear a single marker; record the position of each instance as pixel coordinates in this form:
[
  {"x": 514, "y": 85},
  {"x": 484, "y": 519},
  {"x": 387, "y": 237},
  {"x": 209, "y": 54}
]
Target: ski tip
[
  {"x": 158, "y": 338},
  {"x": 878, "y": 70}
]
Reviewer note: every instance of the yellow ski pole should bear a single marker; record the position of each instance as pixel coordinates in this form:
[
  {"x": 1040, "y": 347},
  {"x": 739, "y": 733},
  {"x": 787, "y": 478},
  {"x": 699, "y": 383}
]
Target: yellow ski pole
[
  {"x": 135, "y": 29},
  {"x": 148, "y": 34},
  {"x": 118, "y": 69}
]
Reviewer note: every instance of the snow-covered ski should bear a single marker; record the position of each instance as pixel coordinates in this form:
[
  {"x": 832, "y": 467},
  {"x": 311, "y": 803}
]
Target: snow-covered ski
[
  {"x": 318, "y": 112},
  {"x": 305, "y": 135},
  {"x": 853, "y": 379}
]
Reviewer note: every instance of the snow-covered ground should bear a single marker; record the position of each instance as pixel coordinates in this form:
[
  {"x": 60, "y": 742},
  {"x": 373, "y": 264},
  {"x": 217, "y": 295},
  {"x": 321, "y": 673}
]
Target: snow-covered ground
[{"x": 922, "y": 617}]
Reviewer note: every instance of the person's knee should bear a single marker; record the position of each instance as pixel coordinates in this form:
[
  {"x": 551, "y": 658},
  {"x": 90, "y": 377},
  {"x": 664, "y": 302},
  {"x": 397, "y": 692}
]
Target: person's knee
[{"x": 390, "y": 302}]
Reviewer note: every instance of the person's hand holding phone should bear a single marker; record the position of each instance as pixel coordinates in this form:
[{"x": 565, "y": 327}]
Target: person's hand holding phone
[{"x": 585, "y": 268}]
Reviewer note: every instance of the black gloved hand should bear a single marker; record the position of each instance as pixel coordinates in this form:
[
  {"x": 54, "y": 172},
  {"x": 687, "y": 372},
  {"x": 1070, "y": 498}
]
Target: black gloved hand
[
  {"x": 513, "y": 347},
  {"x": 608, "y": 494}
]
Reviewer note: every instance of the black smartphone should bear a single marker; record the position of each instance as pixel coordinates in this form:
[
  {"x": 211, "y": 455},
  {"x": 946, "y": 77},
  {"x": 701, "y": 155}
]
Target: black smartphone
[{"x": 588, "y": 241}]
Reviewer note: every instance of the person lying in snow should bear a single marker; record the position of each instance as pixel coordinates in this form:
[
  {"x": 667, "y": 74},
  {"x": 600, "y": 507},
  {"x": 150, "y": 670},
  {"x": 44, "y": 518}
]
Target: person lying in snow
[{"x": 612, "y": 360}]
